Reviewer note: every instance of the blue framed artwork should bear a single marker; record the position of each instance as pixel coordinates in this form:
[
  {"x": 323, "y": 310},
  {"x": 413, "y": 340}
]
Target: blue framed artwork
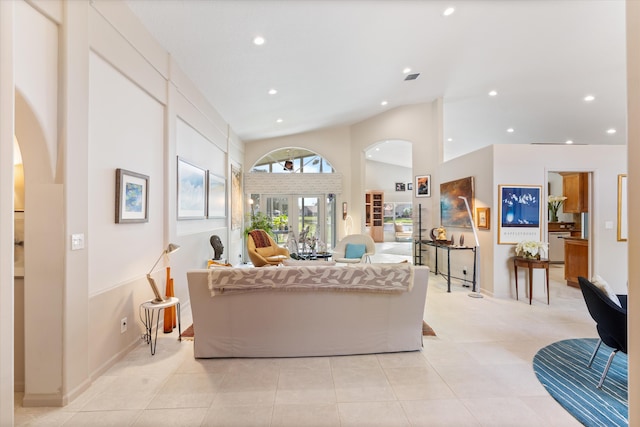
[
  {"x": 520, "y": 213},
  {"x": 192, "y": 194},
  {"x": 132, "y": 197}
]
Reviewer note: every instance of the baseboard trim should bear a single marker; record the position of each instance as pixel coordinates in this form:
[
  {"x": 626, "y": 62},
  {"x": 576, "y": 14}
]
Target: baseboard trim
[{"x": 34, "y": 400}]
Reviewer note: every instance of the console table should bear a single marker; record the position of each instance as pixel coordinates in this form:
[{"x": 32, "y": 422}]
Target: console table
[{"x": 450, "y": 248}]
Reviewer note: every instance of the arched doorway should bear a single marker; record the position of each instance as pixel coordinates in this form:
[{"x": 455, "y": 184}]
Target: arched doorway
[
  {"x": 388, "y": 169},
  {"x": 43, "y": 280}
]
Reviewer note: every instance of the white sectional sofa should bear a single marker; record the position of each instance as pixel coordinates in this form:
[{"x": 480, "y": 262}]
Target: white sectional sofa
[{"x": 307, "y": 310}]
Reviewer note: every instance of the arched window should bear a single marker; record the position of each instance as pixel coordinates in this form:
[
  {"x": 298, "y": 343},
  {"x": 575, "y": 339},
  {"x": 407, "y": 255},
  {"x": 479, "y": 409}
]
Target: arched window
[{"x": 293, "y": 160}]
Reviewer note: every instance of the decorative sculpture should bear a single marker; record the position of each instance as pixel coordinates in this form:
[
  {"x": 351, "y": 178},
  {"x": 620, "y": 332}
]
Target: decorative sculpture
[{"x": 218, "y": 247}]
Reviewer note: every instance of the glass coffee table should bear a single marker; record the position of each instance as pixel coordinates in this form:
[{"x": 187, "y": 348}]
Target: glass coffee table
[{"x": 310, "y": 256}]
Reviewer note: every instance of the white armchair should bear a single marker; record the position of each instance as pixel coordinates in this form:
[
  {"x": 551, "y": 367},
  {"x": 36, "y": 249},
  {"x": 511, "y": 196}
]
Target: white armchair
[{"x": 361, "y": 250}]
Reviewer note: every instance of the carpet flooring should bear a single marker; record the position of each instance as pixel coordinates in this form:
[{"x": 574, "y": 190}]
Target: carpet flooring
[
  {"x": 427, "y": 331},
  {"x": 562, "y": 369}
]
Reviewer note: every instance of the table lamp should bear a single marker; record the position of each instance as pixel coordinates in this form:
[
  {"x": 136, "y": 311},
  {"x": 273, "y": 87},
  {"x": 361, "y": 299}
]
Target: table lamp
[{"x": 158, "y": 296}]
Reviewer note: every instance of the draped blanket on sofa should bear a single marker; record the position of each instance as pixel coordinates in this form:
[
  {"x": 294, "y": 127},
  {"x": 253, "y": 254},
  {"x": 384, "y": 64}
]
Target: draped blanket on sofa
[{"x": 383, "y": 278}]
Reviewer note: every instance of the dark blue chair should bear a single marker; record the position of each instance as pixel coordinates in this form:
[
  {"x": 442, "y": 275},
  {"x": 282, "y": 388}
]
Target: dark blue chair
[{"x": 611, "y": 321}]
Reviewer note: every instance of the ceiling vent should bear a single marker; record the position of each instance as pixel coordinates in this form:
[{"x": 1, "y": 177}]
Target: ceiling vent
[{"x": 412, "y": 76}]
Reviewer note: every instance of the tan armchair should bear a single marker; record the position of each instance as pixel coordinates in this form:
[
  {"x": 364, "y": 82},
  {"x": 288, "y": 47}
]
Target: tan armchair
[
  {"x": 263, "y": 250},
  {"x": 340, "y": 252}
]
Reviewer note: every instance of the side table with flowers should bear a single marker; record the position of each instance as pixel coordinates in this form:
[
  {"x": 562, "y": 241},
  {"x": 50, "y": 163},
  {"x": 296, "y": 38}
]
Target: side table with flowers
[{"x": 531, "y": 255}]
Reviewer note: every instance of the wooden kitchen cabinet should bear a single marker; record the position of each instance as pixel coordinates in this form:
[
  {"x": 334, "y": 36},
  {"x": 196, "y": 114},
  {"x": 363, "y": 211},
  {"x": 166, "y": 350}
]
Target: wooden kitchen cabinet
[
  {"x": 575, "y": 187},
  {"x": 576, "y": 260}
]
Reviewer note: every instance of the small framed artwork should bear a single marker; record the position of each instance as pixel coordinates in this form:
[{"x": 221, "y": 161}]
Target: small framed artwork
[
  {"x": 623, "y": 230},
  {"x": 409, "y": 186},
  {"x": 132, "y": 197},
  {"x": 423, "y": 186},
  {"x": 519, "y": 213},
  {"x": 483, "y": 219},
  {"x": 400, "y": 186},
  {"x": 216, "y": 197},
  {"x": 191, "y": 191},
  {"x": 236, "y": 198}
]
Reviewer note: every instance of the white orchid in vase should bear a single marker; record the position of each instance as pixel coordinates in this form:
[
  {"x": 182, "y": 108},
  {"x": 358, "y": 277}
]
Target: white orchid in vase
[
  {"x": 531, "y": 249},
  {"x": 554, "y": 204}
]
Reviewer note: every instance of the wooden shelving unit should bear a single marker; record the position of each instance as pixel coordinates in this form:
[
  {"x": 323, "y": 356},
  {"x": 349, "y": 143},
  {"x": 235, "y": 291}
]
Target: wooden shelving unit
[
  {"x": 419, "y": 246},
  {"x": 374, "y": 211}
]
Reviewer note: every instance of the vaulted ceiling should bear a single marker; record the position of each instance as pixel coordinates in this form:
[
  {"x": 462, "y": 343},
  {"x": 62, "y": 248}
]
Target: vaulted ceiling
[{"x": 334, "y": 63}]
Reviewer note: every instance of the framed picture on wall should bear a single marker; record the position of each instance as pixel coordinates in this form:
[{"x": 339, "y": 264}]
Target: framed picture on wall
[
  {"x": 236, "y": 198},
  {"x": 216, "y": 197},
  {"x": 192, "y": 196},
  {"x": 453, "y": 210},
  {"x": 483, "y": 219},
  {"x": 519, "y": 213},
  {"x": 132, "y": 197},
  {"x": 400, "y": 186},
  {"x": 423, "y": 186},
  {"x": 409, "y": 186}
]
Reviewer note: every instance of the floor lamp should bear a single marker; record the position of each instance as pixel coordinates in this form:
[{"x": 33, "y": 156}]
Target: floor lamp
[{"x": 476, "y": 294}]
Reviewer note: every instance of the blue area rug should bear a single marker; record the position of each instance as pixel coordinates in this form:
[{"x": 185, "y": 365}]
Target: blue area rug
[{"x": 562, "y": 369}]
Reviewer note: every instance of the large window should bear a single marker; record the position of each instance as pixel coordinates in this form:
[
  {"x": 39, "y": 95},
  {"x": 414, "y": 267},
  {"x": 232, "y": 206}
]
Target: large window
[{"x": 293, "y": 160}]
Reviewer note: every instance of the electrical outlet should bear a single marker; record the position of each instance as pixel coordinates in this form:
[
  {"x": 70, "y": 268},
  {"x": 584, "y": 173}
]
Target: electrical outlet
[{"x": 123, "y": 325}]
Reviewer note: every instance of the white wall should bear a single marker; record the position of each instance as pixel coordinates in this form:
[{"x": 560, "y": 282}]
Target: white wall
[
  {"x": 6, "y": 215},
  {"x": 126, "y": 131},
  {"x": 110, "y": 100},
  {"x": 529, "y": 164},
  {"x": 383, "y": 177}
]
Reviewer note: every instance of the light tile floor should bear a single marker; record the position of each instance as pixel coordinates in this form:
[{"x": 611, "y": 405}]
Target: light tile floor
[{"x": 476, "y": 372}]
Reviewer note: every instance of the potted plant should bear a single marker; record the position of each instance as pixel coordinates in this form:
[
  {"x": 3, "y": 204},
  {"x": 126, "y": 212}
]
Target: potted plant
[{"x": 259, "y": 221}]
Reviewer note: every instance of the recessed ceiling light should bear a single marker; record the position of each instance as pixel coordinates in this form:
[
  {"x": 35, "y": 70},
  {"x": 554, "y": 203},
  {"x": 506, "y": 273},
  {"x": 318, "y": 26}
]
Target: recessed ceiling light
[
  {"x": 493, "y": 93},
  {"x": 589, "y": 98},
  {"x": 450, "y": 139},
  {"x": 611, "y": 131},
  {"x": 279, "y": 121},
  {"x": 568, "y": 141},
  {"x": 272, "y": 91},
  {"x": 511, "y": 130},
  {"x": 448, "y": 11},
  {"x": 383, "y": 103},
  {"x": 369, "y": 155},
  {"x": 259, "y": 41},
  {"x": 406, "y": 70},
  {"x": 377, "y": 148}
]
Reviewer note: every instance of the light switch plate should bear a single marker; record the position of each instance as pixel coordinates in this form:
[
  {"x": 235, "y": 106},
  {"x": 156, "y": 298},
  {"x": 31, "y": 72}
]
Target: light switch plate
[
  {"x": 77, "y": 242},
  {"x": 608, "y": 225}
]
